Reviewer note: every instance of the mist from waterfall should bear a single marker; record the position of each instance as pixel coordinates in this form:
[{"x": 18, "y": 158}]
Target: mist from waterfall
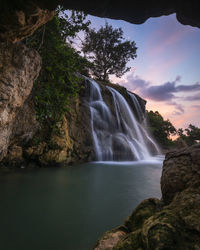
[{"x": 118, "y": 136}]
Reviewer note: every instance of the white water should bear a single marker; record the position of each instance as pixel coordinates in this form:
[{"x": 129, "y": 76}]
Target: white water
[
  {"x": 144, "y": 125},
  {"x": 117, "y": 135}
]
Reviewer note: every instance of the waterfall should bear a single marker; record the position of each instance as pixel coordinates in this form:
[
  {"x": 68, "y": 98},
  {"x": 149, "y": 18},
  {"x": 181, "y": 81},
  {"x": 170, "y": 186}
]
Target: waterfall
[
  {"x": 136, "y": 104},
  {"x": 117, "y": 135},
  {"x": 143, "y": 127}
]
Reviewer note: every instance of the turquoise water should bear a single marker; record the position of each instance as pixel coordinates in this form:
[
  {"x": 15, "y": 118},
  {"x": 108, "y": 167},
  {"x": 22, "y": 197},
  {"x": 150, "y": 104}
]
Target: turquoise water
[{"x": 69, "y": 208}]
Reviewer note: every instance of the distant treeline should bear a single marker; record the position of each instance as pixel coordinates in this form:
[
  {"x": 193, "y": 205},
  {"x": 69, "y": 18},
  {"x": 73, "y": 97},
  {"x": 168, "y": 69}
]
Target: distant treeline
[{"x": 163, "y": 131}]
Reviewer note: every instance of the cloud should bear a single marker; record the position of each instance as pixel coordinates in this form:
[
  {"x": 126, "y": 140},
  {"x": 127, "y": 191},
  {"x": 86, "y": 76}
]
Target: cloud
[
  {"x": 196, "y": 106},
  {"x": 162, "y": 92},
  {"x": 135, "y": 83},
  {"x": 178, "y": 78},
  {"x": 179, "y": 108},
  {"x": 192, "y": 87},
  {"x": 170, "y": 93},
  {"x": 195, "y": 97}
]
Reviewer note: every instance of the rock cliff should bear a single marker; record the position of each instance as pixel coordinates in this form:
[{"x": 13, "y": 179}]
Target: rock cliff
[
  {"x": 170, "y": 223},
  {"x": 19, "y": 67},
  {"x": 71, "y": 142}
]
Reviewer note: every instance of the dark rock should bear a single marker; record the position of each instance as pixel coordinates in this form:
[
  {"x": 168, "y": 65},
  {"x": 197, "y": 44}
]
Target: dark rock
[
  {"x": 139, "y": 11},
  {"x": 181, "y": 169},
  {"x": 19, "y": 19},
  {"x": 172, "y": 223},
  {"x": 111, "y": 238}
]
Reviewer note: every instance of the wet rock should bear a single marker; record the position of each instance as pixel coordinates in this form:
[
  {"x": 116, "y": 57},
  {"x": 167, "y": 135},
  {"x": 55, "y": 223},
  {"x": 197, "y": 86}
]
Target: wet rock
[
  {"x": 15, "y": 153},
  {"x": 111, "y": 238},
  {"x": 173, "y": 222}
]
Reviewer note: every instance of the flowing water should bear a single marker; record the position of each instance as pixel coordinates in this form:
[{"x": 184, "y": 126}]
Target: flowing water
[
  {"x": 118, "y": 136},
  {"x": 70, "y": 208}
]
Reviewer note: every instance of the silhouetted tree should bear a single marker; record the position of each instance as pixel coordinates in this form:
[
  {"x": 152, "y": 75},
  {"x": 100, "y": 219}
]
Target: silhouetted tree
[
  {"x": 190, "y": 135},
  {"x": 160, "y": 128},
  {"x": 108, "y": 51}
]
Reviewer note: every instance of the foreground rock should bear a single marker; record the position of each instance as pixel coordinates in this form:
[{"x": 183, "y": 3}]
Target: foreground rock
[
  {"x": 173, "y": 222},
  {"x": 19, "y": 67}
]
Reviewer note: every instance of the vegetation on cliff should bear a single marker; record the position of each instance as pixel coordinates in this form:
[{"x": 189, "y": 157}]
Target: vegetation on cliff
[{"x": 58, "y": 82}]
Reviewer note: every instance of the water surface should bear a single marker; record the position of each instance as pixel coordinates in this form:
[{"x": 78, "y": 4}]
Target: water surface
[{"x": 69, "y": 208}]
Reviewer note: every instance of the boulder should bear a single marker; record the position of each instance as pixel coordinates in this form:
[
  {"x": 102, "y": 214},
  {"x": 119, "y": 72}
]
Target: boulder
[{"x": 173, "y": 222}]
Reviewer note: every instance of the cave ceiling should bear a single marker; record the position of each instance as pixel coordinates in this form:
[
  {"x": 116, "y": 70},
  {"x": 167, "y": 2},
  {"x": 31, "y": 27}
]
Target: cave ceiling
[{"x": 18, "y": 19}]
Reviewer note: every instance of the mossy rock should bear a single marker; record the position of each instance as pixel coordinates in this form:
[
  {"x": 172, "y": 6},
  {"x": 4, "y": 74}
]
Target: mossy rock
[
  {"x": 132, "y": 241},
  {"x": 142, "y": 212}
]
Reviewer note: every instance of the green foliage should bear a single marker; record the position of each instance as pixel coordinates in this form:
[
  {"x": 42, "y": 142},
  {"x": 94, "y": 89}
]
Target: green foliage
[
  {"x": 58, "y": 81},
  {"x": 108, "y": 51},
  {"x": 190, "y": 135},
  {"x": 161, "y": 129}
]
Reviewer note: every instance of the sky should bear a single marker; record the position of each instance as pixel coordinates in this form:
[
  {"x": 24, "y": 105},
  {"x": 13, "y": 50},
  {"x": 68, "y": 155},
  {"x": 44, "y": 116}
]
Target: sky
[{"x": 166, "y": 72}]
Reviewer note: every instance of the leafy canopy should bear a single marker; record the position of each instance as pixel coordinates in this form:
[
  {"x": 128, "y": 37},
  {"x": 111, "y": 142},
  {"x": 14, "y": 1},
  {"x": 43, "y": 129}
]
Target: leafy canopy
[
  {"x": 108, "y": 51},
  {"x": 57, "y": 83}
]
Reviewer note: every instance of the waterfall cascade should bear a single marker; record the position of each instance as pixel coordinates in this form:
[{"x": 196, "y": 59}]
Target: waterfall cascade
[{"x": 118, "y": 136}]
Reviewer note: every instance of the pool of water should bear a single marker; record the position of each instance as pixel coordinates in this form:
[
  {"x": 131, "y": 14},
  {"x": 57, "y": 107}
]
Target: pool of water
[{"x": 70, "y": 208}]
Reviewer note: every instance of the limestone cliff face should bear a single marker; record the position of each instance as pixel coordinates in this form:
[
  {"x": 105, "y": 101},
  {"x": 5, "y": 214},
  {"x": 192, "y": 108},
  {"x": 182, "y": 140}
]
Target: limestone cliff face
[
  {"x": 170, "y": 223},
  {"x": 19, "y": 67}
]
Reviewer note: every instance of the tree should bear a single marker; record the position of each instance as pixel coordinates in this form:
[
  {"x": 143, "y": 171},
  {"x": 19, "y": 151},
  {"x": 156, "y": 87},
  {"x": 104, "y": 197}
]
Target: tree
[
  {"x": 160, "y": 128},
  {"x": 108, "y": 51},
  {"x": 57, "y": 82},
  {"x": 190, "y": 135}
]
